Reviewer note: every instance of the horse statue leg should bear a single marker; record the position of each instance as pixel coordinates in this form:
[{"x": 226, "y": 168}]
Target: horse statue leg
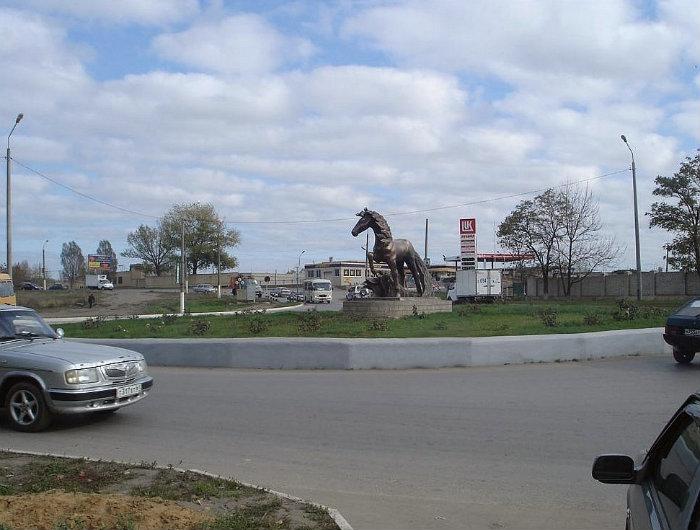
[
  {"x": 395, "y": 277},
  {"x": 370, "y": 262},
  {"x": 401, "y": 273},
  {"x": 417, "y": 276}
]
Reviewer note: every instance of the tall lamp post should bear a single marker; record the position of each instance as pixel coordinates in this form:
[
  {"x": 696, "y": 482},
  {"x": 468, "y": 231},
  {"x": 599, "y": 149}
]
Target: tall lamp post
[
  {"x": 43, "y": 262},
  {"x": 636, "y": 221},
  {"x": 9, "y": 197},
  {"x": 298, "y": 267}
]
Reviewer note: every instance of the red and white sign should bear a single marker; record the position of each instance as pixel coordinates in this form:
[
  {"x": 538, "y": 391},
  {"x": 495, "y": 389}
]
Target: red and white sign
[
  {"x": 467, "y": 226},
  {"x": 467, "y": 243}
]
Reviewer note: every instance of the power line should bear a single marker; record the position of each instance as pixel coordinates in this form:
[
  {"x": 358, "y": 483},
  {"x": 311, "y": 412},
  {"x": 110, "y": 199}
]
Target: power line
[
  {"x": 330, "y": 220},
  {"x": 80, "y": 193}
]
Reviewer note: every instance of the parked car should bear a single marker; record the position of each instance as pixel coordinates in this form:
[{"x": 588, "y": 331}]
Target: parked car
[
  {"x": 204, "y": 288},
  {"x": 29, "y": 286},
  {"x": 682, "y": 332},
  {"x": 284, "y": 292},
  {"x": 57, "y": 287},
  {"x": 665, "y": 484},
  {"x": 356, "y": 292},
  {"x": 41, "y": 375}
]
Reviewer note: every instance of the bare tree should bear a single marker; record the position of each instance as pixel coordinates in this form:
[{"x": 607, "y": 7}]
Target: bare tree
[
  {"x": 533, "y": 227},
  {"x": 73, "y": 262},
  {"x": 148, "y": 244},
  {"x": 580, "y": 247}
]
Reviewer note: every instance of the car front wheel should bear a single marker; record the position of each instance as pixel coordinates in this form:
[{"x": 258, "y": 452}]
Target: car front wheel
[
  {"x": 683, "y": 357},
  {"x": 27, "y": 408}
]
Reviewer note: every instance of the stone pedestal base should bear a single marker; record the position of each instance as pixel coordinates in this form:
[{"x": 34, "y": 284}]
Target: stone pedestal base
[{"x": 396, "y": 307}]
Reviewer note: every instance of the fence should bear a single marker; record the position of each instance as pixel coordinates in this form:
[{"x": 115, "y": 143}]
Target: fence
[{"x": 654, "y": 284}]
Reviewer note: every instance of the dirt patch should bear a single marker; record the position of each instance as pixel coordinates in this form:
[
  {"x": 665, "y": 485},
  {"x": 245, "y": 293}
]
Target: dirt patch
[
  {"x": 58, "y": 509},
  {"x": 38, "y": 492}
]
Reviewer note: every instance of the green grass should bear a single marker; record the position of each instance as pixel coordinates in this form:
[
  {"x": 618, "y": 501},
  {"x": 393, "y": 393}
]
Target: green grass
[
  {"x": 512, "y": 318},
  {"x": 177, "y": 486},
  {"x": 203, "y": 303}
]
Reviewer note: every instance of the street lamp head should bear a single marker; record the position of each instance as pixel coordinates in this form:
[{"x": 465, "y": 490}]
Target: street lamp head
[
  {"x": 623, "y": 138},
  {"x": 19, "y": 118}
]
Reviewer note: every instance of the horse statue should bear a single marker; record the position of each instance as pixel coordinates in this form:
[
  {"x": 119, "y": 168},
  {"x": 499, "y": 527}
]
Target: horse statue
[{"x": 396, "y": 253}]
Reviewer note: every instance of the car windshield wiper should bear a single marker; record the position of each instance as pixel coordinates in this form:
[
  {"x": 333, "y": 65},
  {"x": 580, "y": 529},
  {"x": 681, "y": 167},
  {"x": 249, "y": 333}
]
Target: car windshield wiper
[{"x": 30, "y": 335}]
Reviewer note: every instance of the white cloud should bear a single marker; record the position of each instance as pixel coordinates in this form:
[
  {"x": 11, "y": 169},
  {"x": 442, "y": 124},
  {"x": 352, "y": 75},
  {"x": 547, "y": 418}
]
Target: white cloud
[
  {"x": 240, "y": 44},
  {"x": 146, "y": 12}
]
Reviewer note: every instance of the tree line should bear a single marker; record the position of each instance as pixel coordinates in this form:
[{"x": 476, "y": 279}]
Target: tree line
[{"x": 561, "y": 232}]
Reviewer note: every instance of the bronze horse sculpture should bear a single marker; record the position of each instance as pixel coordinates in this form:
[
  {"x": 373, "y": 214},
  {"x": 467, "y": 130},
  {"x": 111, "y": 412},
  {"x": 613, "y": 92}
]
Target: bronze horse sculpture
[{"x": 396, "y": 253}]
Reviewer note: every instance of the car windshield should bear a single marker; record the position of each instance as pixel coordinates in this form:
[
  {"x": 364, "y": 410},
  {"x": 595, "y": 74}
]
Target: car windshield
[
  {"x": 322, "y": 286},
  {"x": 691, "y": 309},
  {"x": 23, "y": 323}
]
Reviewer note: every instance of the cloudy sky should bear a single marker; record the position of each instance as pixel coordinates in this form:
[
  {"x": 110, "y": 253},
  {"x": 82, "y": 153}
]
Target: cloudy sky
[{"x": 310, "y": 111}]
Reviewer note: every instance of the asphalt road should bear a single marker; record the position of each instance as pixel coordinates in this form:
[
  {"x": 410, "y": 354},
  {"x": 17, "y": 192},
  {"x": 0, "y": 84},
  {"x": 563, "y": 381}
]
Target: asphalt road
[{"x": 478, "y": 448}]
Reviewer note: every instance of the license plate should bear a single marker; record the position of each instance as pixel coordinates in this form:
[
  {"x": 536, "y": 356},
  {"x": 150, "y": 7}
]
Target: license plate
[
  {"x": 127, "y": 391},
  {"x": 692, "y": 332}
]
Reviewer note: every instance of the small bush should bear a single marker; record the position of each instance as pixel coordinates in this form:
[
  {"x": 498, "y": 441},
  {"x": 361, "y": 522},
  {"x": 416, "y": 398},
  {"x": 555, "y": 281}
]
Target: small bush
[
  {"x": 468, "y": 310},
  {"x": 379, "y": 324},
  {"x": 549, "y": 317},
  {"x": 626, "y": 310},
  {"x": 592, "y": 319},
  {"x": 310, "y": 322},
  {"x": 93, "y": 323},
  {"x": 417, "y": 314},
  {"x": 258, "y": 325},
  {"x": 199, "y": 327},
  {"x": 169, "y": 320}
]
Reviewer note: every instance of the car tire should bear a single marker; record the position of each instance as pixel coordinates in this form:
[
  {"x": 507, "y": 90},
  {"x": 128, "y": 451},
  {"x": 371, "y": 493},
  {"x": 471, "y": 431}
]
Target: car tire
[
  {"x": 26, "y": 408},
  {"x": 683, "y": 357}
]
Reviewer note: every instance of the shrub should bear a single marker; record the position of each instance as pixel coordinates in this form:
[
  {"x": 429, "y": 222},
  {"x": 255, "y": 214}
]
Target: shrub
[
  {"x": 199, "y": 327},
  {"x": 468, "y": 310},
  {"x": 169, "y": 319},
  {"x": 626, "y": 310},
  {"x": 417, "y": 314},
  {"x": 93, "y": 323},
  {"x": 310, "y": 322},
  {"x": 592, "y": 319},
  {"x": 379, "y": 324},
  {"x": 549, "y": 317},
  {"x": 258, "y": 325}
]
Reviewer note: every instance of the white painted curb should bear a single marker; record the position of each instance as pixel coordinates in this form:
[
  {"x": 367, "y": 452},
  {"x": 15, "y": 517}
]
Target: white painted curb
[
  {"x": 335, "y": 514},
  {"x": 296, "y": 353},
  {"x": 77, "y": 320}
]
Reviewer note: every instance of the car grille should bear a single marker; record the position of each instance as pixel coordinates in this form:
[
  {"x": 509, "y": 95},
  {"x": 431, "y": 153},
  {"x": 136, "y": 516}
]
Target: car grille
[{"x": 121, "y": 372}]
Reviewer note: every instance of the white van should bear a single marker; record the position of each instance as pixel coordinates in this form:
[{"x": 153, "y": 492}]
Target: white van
[{"x": 318, "y": 291}]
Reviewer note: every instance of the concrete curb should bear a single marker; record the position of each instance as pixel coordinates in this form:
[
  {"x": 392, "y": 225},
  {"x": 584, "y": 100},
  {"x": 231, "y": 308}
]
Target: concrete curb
[
  {"x": 335, "y": 514},
  {"x": 358, "y": 354},
  {"x": 77, "y": 320}
]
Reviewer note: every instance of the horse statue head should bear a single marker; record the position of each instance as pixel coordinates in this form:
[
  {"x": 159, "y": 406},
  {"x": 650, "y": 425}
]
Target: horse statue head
[{"x": 371, "y": 219}]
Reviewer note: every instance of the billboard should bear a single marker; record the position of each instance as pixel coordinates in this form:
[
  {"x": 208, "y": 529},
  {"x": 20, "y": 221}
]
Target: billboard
[
  {"x": 97, "y": 262},
  {"x": 467, "y": 243}
]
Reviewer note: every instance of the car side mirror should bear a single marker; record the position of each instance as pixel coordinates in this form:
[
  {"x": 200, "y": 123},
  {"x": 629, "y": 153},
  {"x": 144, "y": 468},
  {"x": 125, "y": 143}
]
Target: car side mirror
[
  {"x": 614, "y": 469},
  {"x": 60, "y": 332}
]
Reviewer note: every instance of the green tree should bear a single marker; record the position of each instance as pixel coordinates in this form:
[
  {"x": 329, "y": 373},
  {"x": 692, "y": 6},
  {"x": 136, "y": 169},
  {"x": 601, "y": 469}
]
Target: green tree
[
  {"x": 205, "y": 235},
  {"x": 104, "y": 248},
  {"x": 682, "y": 216},
  {"x": 73, "y": 262},
  {"x": 148, "y": 243}
]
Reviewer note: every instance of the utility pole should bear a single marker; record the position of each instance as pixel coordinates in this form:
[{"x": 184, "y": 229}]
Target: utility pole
[
  {"x": 666, "y": 247},
  {"x": 299, "y": 267},
  {"x": 425, "y": 253},
  {"x": 218, "y": 270},
  {"x": 8, "y": 212},
  {"x": 367, "y": 256},
  {"x": 182, "y": 269},
  {"x": 43, "y": 262},
  {"x": 636, "y": 221}
]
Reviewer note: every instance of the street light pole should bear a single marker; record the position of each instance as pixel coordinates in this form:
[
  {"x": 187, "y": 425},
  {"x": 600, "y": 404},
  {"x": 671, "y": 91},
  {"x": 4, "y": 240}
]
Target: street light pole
[
  {"x": 298, "y": 267},
  {"x": 9, "y": 197},
  {"x": 43, "y": 262},
  {"x": 636, "y": 221}
]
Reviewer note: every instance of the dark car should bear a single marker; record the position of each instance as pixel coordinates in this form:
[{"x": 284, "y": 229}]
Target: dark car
[
  {"x": 665, "y": 485},
  {"x": 29, "y": 286},
  {"x": 683, "y": 331},
  {"x": 58, "y": 287}
]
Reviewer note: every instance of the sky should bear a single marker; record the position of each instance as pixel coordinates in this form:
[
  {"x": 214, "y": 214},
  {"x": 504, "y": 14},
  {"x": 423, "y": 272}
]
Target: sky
[{"x": 290, "y": 117}]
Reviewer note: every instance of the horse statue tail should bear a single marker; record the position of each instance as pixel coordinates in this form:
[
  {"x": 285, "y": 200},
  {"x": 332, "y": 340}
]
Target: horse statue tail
[{"x": 424, "y": 273}]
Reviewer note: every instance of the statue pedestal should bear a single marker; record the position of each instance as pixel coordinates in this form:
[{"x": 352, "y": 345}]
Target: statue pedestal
[{"x": 396, "y": 307}]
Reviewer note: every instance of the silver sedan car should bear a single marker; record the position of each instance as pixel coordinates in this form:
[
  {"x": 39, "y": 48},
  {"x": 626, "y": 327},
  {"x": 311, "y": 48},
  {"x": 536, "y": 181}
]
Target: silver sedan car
[{"x": 42, "y": 375}]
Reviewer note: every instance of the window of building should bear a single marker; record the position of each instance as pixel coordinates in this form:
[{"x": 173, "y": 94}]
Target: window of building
[
  {"x": 346, "y": 272},
  {"x": 318, "y": 273},
  {"x": 337, "y": 272}
]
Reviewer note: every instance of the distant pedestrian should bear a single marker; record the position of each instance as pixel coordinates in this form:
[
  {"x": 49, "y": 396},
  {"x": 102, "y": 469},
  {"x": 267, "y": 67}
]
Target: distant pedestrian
[{"x": 91, "y": 300}]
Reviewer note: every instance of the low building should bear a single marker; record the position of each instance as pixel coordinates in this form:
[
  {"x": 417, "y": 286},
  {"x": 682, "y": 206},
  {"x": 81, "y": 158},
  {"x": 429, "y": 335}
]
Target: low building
[{"x": 341, "y": 273}]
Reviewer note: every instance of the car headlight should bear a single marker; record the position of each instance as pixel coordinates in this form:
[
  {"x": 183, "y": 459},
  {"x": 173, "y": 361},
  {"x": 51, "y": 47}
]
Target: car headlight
[
  {"x": 142, "y": 366},
  {"x": 84, "y": 375}
]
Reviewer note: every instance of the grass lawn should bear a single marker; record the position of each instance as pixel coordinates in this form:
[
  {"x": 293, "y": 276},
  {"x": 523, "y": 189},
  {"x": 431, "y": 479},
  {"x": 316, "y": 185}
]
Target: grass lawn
[
  {"x": 203, "y": 303},
  {"x": 511, "y": 318}
]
